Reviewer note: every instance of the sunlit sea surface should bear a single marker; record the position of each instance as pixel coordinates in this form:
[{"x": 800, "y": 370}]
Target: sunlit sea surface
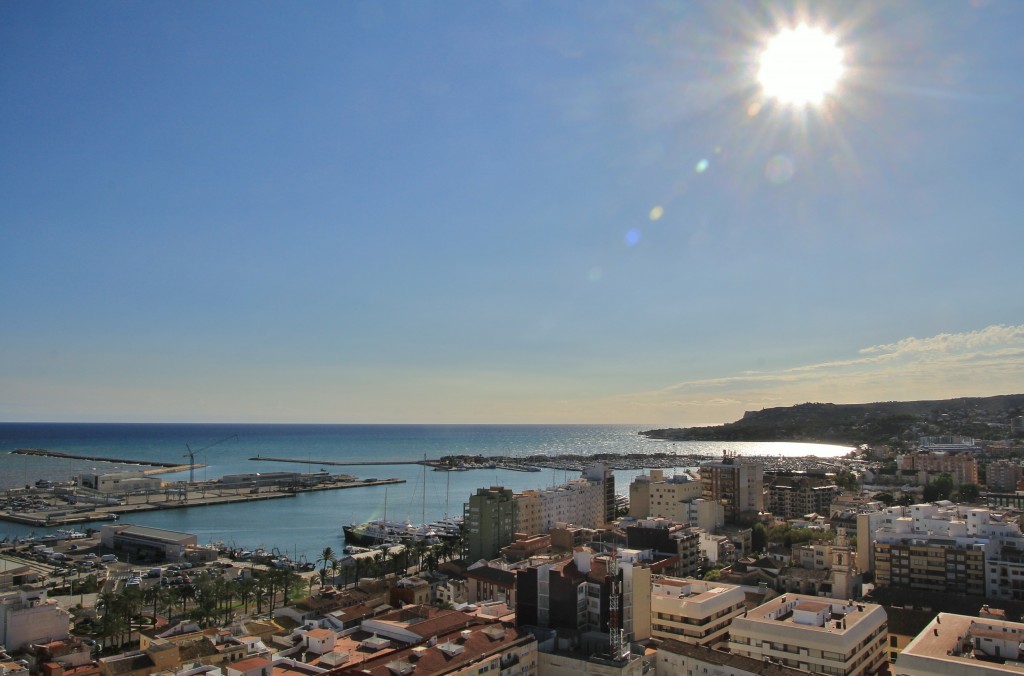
[{"x": 304, "y": 525}]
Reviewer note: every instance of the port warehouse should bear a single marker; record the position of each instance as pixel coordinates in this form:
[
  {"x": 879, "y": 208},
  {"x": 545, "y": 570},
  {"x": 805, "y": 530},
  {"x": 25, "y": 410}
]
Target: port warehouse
[
  {"x": 143, "y": 543},
  {"x": 127, "y": 482}
]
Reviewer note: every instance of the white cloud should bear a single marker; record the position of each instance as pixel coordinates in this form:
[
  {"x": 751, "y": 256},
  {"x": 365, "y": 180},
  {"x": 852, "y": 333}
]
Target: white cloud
[{"x": 985, "y": 362}]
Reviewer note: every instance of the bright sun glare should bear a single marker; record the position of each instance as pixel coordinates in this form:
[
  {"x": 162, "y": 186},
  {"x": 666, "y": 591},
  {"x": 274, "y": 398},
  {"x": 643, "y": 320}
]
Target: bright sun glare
[{"x": 800, "y": 66}]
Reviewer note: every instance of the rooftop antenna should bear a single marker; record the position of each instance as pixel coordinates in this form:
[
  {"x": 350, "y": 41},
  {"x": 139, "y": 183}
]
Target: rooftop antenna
[{"x": 616, "y": 636}]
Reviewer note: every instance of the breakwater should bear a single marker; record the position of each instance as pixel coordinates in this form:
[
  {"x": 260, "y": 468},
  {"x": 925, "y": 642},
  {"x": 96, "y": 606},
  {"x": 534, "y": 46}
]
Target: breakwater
[
  {"x": 93, "y": 458},
  {"x": 314, "y": 461}
]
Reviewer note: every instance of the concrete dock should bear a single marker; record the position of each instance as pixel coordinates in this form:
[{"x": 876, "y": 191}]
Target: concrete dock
[{"x": 57, "y": 513}]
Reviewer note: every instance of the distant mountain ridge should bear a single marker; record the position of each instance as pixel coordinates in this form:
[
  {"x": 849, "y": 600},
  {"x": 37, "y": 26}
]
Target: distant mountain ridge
[{"x": 881, "y": 422}]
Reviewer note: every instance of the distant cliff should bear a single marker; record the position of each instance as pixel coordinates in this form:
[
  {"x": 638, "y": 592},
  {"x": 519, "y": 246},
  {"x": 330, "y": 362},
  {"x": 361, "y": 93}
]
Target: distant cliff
[{"x": 883, "y": 422}]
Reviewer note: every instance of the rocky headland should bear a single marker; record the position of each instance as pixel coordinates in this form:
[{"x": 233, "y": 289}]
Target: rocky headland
[{"x": 854, "y": 424}]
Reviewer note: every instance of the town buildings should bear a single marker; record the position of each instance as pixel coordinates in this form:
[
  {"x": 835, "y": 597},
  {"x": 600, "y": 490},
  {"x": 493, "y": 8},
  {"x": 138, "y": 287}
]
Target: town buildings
[
  {"x": 676, "y": 657},
  {"x": 574, "y": 594},
  {"x": 737, "y": 483},
  {"x": 1003, "y": 475},
  {"x": 789, "y": 497},
  {"x": 921, "y": 468},
  {"x": 676, "y": 498},
  {"x": 587, "y": 502},
  {"x": 813, "y": 634},
  {"x": 424, "y": 640},
  {"x": 944, "y": 547},
  {"x": 27, "y": 616}
]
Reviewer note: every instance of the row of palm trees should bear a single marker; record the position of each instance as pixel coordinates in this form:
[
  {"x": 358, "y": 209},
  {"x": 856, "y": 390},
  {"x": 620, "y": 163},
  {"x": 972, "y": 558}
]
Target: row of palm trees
[
  {"x": 210, "y": 601},
  {"x": 417, "y": 554}
]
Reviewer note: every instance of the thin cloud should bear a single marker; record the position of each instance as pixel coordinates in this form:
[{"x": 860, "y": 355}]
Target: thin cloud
[{"x": 975, "y": 363}]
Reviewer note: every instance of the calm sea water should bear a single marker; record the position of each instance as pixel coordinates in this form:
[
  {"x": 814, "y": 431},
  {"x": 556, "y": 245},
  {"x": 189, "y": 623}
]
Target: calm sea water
[{"x": 304, "y": 525}]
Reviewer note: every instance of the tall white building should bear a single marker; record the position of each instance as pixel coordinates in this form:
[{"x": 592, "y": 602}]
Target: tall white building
[
  {"x": 944, "y": 547},
  {"x": 581, "y": 502}
]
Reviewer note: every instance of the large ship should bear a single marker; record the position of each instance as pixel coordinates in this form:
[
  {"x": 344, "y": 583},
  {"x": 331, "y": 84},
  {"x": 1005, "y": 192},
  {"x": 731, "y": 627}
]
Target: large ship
[{"x": 382, "y": 532}]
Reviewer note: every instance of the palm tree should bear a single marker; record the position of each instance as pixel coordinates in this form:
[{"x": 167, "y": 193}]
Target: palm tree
[
  {"x": 186, "y": 593},
  {"x": 131, "y": 607},
  {"x": 314, "y": 579},
  {"x": 335, "y": 564},
  {"x": 226, "y": 596},
  {"x": 326, "y": 556},
  {"x": 111, "y": 623},
  {"x": 288, "y": 580},
  {"x": 247, "y": 592},
  {"x": 357, "y": 561},
  {"x": 156, "y": 595},
  {"x": 262, "y": 593}
]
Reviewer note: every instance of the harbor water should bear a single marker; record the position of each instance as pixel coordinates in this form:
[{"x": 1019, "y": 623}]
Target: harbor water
[{"x": 302, "y": 526}]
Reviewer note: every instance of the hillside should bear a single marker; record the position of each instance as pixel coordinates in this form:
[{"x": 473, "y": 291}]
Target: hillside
[{"x": 882, "y": 422}]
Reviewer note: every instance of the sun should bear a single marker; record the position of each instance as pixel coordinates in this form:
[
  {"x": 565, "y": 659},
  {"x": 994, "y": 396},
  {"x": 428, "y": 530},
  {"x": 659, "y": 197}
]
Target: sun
[{"x": 800, "y": 66}]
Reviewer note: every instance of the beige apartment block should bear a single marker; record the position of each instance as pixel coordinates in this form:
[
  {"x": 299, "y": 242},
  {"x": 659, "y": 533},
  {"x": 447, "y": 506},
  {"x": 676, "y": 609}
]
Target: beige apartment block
[
  {"x": 814, "y": 634},
  {"x": 694, "y": 611},
  {"x": 657, "y": 497}
]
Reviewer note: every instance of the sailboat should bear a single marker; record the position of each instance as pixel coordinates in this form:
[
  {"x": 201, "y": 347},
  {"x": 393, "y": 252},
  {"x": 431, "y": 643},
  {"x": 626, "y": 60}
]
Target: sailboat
[{"x": 384, "y": 532}]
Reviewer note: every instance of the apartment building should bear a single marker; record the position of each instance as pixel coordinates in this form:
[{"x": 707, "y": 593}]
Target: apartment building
[
  {"x": 944, "y": 547},
  {"x": 659, "y": 497},
  {"x": 923, "y": 467},
  {"x": 1003, "y": 475},
  {"x": 574, "y": 594},
  {"x": 490, "y": 521},
  {"x": 665, "y": 537},
  {"x": 812, "y": 634},
  {"x": 736, "y": 483},
  {"x": 694, "y": 611},
  {"x": 789, "y": 497},
  {"x": 587, "y": 502}
]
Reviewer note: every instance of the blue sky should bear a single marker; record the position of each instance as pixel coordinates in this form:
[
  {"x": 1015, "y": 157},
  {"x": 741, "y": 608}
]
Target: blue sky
[{"x": 501, "y": 212}]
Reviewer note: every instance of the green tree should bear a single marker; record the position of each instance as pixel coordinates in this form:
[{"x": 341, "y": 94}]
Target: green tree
[
  {"x": 759, "y": 537},
  {"x": 886, "y": 498},
  {"x": 713, "y": 575},
  {"x": 940, "y": 488},
  {"x": 326, "y": 556},
  {"x": 847, "y": 480},
  {"x": 968, "y": 493}
]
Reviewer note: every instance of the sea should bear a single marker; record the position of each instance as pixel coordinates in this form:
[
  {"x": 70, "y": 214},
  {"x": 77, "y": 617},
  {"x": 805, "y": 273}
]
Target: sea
[{"x": 303, "y": 525}]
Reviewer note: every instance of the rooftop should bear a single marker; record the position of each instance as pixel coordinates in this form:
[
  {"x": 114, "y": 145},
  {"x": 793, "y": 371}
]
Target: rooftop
[
  {"x": 812, "y": 613},
  {"x": 963, "y": 641},
  {"x": 728, "y": 660}
]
